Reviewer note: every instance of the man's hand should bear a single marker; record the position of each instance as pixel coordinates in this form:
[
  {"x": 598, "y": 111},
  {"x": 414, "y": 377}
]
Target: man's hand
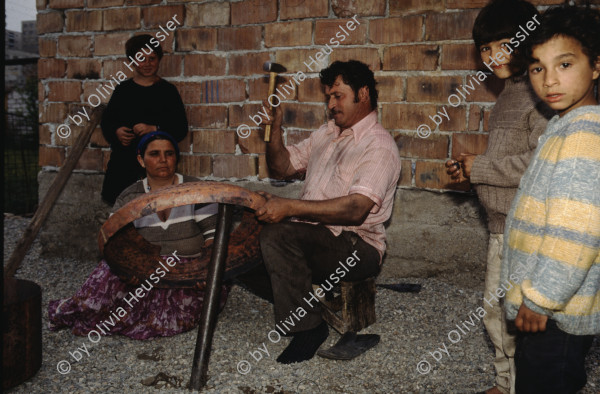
[
  {"x": 530, "y": 321},
  {"x": 275, "y": 117},
  {"x": 142, "y": 128},
  {"x": 124, "y": 135},
  {"x": 274, "y": 210}
]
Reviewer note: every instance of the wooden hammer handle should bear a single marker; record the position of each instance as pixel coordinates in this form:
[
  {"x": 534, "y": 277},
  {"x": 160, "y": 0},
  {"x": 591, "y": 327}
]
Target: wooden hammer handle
[{"x": 272, "y": 79}]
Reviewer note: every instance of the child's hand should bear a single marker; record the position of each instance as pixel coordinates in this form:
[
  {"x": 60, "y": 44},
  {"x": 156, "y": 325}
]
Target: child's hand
[
  {"x": 466, "y": 161},
  {"x": 530, "y": 321},
  {"x": 455, "y": 170}
]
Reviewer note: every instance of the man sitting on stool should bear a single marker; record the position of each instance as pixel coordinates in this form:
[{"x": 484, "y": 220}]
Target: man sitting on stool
[{"x": 352, "y": 167}]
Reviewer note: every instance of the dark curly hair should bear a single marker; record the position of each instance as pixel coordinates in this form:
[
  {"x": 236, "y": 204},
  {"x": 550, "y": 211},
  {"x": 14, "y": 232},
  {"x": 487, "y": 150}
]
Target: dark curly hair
[
  {"x": 355, "y": 74},
  {"x": 579, "y": 23},
  {"x": 501, "y": 19},
  {"x": 136, "y": 43}
]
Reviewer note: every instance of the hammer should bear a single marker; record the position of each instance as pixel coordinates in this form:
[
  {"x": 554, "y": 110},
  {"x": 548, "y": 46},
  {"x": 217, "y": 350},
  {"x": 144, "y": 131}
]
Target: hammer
[{"x": 273, "y": 69}]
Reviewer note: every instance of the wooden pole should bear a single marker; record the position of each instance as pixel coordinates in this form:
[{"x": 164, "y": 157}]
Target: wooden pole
[
  {"x": 211, "y": 299},
  {"x": 53, "y": 193}
]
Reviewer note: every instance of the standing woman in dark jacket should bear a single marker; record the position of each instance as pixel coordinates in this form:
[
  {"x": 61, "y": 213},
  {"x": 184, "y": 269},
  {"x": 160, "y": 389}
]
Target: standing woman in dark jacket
[{"x": 140, "y": 105}]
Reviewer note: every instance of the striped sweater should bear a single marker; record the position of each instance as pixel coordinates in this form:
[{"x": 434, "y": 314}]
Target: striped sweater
[{"x": 552, "y": 237}]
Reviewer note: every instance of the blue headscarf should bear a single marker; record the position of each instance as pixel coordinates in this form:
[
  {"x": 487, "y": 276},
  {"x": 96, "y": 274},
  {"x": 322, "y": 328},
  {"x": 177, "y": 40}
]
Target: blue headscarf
[{"x": 155, "y": 135}]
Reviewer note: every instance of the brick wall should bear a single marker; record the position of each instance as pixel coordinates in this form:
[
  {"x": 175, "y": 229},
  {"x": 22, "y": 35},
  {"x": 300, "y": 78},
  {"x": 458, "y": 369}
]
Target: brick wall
[{"x": 420, "y": 51}]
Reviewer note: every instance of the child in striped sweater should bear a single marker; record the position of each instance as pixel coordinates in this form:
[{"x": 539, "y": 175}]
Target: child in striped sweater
[{"x": 552, "y": 237}]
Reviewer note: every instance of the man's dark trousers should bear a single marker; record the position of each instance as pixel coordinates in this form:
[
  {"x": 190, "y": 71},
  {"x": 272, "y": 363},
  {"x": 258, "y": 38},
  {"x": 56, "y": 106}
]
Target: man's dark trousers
[{"x": 299, "y": 254}]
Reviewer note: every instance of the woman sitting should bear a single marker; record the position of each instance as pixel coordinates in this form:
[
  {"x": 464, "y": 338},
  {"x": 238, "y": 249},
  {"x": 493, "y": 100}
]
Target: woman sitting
[{"x": 184, "y": 230}]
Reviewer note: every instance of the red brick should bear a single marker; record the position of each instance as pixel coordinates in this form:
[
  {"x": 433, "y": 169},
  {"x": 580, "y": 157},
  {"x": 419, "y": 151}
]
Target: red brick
[
  {"x": 457, "y": 121},
  {"x": 45, "y": 134},
  {"x": 48, "y": 156},
  {"x": 486, "y": 119},
  {"x": 294, "y": 60},
  {"x": 311, "y": 90},
  {"x": 258, "y": 88},
  {"x": 468, "y": 143},
  {"x": 236, "y": 38},
  {"x": 239, "y": 114},
  {"x": 73, "y": 46},
  {"x": 51, "y": 68},
  {"x": 185, "y": 145},
  {"x": 253, "y": 11},
  {"x": 431, "y": 89},
  {"x": 203, "y": 64},
  {"x": 390, "y": 88},
  {"x": 288, "y": 34},
  {"x": 207, "y": 116},
  {"x": 170, "y": 66},
  {"x": 254, "y": 143},
  {"x": 84, "y": 68},
  {"x": 488, "y": 91},
  {"x": 142, "y": 2},
  {"x": 62, "y": 4},
  {"x": 53, "y": 113},
  {"x": 432, "y": 175},
  {"x": 554, "y": 2},
  {"x": 122, "y": 19},
  {"x": 411, "y": 57},
  {"x": 296, "y": 136},
  {"x": 49, "y": 22},
  {"x": 213, "y": 91},
  {"x": 348, "y": 8},
  {"x": 433, "y": 147},
  {"x": 89, "y": 88},
  {"x": 163, "y": 16},
  {"x": 195, "y": 165},
  {"x": 209, "y": 14},
  {"x": 405, "y": 116},
  {"x": 98, "y": 140},
  {"x": 394, "y": 30},
  {"x": 110, "y": 44},
  {"x": 370, "y": 56},
  {"x": 203, "y": 39},
  {"x": 263, "y": 168},
  {"x": 326, "y": 30},
  {"x": 405, "y": 173},
  {"x": 41, "y": 4},
  {"x": 213, "y": 141},
  {"x": 41, "y": 92},
  {"x": 104, "y": 3},
  {"x": 304, "y": 116},
  {"x": 91, "y": 160},
  {"x": 166, "y": 44},
  {"x": 247, "y": 64},
  {"x": 299, "y": 9},
  {"x": 47, "y": 47},
  {"x": 450, "y": 25},
  {"x": 474, "y": 118},
  {"x": 459, "y": 57},
  {"x": 450, "y": 4},
  {"x": 229, "y": 166},
  {"x": 64, "y": 91},
  {"x": 112, "y": 67},
  {"x": 84, "y": 20},
  {"x": 403, "y": 7},
  {"x": 106, "y": 158}
]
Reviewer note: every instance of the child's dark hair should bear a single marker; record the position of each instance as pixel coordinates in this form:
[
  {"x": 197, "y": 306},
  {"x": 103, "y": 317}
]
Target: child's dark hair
[
  {"x": 136, "y": 43},
  {"x": 354, "y": 73},
  {"x": 579, "y": 23},
  {"x": 501, "y": 19}
]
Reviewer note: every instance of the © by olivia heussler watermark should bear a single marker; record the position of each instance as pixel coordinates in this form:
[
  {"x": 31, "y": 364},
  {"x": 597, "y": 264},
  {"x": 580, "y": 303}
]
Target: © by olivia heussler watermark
[
  {"x": 244, "y": 131},
  {"x": 424, "y": 130},
  {"x": 64, "y": 366},
  {"x": 313, "y": 298},
  {"x": 454, "y": 335},
  {"x": 106, "y": 89}
]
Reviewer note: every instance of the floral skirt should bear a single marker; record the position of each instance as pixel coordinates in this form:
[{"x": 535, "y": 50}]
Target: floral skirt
[{"x": 110, "y": 306}]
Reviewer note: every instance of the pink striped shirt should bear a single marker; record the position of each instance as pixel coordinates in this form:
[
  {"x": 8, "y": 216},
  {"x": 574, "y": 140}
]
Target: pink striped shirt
[{"x": 363, "y": 159}]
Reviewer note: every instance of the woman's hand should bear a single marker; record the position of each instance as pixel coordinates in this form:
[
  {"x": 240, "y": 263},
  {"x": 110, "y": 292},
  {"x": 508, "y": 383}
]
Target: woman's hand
[
  {"x": 142, "y": 128},
  {"x": 124, "y": 135}
]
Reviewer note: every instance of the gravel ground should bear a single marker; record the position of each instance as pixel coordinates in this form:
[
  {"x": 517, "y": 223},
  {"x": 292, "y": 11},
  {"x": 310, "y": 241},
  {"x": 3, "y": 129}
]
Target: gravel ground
[{"x": 411, "y": 326}]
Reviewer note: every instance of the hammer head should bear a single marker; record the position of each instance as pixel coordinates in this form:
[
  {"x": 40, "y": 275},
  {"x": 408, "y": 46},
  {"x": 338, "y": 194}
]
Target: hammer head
[{"x": 274, "y": 67}]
